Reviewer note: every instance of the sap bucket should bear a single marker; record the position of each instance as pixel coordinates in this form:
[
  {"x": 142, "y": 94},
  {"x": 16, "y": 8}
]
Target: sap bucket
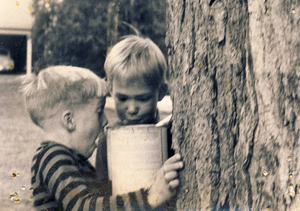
[{"x": 134, "y": 154}]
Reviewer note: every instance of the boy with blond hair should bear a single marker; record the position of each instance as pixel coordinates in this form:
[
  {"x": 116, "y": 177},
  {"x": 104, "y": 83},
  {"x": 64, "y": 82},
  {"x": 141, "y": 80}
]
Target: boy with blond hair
[
  {"x": 136, "y": 75},
  {"x": 68, "y": 104}
]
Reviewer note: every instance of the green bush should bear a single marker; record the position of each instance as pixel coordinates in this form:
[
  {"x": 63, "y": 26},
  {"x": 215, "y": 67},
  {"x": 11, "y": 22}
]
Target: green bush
[{"x": 76, "y": 32}]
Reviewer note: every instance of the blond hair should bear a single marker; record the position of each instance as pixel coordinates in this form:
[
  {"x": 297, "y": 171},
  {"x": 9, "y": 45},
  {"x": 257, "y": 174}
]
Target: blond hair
[
  {"x": 58, "y": 86},
  {"x": 136, "y": 58}
]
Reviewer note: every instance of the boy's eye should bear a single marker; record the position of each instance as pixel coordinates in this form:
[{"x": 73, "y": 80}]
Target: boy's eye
[
  {"x": 143, "y": 99},
  {"x": 122, "y": 99}
]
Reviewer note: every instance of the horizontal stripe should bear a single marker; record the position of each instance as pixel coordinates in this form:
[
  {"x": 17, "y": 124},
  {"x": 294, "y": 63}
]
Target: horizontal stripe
[
  {"x": 44, "y": 200},
  {"x": 56, "y": 154},
  {"x": 61, "y": 178},
  {"x": 120, "y": 203},
  {"x": 54, "y": 209},
  {"x": 144, "y": 194},
  {"x": 54, "y": 206},
  {"x": 39, "y": 189},
  {"x": 133, "y": 202},
  {"x": 54, "y": 168},
  {"x": 77, "y": 198},
  {"x": 126, "y": 200},
  {"x": 99, "y": 203},
  {"x": 65, "y": 179},
  {"x": 82, "y": 203},
  {"x": 93, "y": 203},
  {"x": 39, "y": 159},
  {"x": 106, "y": 204},
  {"x": 41, "y": 195},
  {"x": 139, "y": 200},
  {"x": 70, "y": 187}
]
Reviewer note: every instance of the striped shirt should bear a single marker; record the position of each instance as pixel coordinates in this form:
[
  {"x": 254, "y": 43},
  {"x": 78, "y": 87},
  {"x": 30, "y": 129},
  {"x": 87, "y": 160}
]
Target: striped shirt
[{"x": 64, "y": 180}]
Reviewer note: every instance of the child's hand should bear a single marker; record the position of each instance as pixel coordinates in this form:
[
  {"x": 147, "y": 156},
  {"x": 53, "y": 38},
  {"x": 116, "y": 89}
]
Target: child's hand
[{"x": 166, "y": 181}]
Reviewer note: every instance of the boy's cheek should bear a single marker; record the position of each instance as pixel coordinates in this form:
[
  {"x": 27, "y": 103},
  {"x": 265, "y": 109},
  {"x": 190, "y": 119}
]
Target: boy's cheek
[{"x": 120, "y": 111}]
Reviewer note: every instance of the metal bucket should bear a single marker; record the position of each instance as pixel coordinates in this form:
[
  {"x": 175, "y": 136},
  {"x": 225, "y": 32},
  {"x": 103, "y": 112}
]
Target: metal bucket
[{"x": 134, "y": 154}]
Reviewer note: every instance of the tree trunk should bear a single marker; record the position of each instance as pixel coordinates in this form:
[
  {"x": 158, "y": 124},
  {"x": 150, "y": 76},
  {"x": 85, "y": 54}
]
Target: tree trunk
[
  {"x": 112, "y": 23},
  {"x": 234, "y": 81}
]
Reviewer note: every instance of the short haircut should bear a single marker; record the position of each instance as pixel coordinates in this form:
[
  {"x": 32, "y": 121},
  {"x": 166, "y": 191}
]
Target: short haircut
[
  {"x": 136, "y": 58},
  {"x": 58, "y": 86}
]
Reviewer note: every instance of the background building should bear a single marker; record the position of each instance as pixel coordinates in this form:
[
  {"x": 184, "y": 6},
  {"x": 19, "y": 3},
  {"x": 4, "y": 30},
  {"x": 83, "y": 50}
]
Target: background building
[{"x": 15, "y": 32}]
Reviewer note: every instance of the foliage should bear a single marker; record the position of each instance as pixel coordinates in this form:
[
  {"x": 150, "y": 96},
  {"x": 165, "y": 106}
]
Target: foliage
[
  {"x": 71, "y": 32},
  {"x": 147, "y": 16},
  {"x": 75, "y": 32}
]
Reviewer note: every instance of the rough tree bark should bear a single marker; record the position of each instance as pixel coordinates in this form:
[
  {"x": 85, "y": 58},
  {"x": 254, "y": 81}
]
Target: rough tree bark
[{"x": 234, "y": 80}]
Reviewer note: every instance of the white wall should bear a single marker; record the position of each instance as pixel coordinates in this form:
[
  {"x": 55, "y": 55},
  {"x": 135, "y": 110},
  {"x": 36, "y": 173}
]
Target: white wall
[{"x": 16, "y": 14}]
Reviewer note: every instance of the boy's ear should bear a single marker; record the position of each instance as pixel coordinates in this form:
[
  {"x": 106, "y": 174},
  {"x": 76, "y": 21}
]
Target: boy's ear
[
  {"x": 67, "y": 119},
  {"x": 162, "y": 91}
]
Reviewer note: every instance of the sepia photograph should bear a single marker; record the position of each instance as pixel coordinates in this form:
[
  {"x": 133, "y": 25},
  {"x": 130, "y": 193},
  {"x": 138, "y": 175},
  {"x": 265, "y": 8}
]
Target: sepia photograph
[{"x": 149, "y": 105}]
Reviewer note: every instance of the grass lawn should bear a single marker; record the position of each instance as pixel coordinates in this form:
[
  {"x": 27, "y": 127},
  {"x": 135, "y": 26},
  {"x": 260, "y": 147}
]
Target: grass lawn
[{"x": 19, "y": 138}]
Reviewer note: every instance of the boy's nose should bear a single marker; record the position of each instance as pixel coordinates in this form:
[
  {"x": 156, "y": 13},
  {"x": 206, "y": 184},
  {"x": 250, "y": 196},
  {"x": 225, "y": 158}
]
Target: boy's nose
[{"x": 132, "y": 108}]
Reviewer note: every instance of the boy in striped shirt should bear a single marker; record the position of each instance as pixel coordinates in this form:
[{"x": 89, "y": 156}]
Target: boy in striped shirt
[{"x": 67, "y": 103}]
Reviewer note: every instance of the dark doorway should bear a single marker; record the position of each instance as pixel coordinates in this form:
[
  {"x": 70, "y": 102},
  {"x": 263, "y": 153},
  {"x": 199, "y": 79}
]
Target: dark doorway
[{"x": 17, "y": 44}]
